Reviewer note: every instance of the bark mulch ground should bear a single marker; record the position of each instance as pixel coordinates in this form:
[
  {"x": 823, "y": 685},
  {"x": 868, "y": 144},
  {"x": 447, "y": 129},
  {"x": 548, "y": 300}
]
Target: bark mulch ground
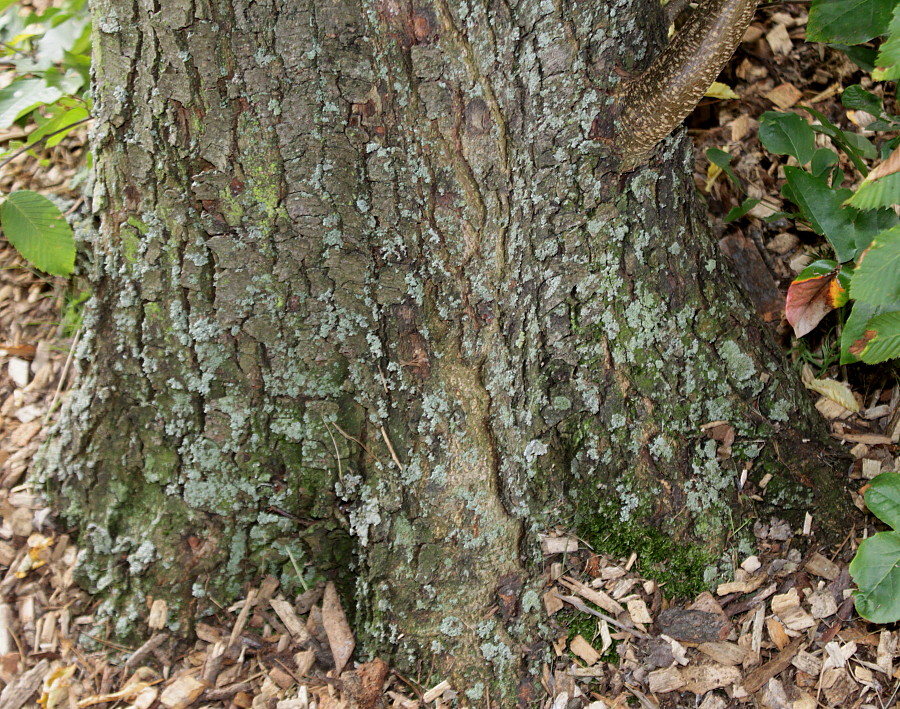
[{"x": 782, "y": 633}]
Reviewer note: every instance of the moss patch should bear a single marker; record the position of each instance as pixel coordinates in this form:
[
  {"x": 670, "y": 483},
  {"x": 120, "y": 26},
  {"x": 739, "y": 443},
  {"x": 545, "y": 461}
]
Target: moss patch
[{"x": 678, "y": 567}]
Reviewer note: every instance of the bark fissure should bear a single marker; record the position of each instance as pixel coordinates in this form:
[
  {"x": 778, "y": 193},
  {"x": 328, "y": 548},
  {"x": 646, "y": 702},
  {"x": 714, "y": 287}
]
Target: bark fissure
[{"x": 386, "y": 220}]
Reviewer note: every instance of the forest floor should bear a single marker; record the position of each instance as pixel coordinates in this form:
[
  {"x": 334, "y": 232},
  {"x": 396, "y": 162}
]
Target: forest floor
[{"x": 782, "y": 634}]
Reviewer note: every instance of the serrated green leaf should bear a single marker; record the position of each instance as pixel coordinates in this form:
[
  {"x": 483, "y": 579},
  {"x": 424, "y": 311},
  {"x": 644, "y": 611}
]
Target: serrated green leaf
[
  {"x": 22, "y": 96},
  {"x": 877, "y": 276},
  {"x": 889, "y": 51},
  {"x": 39, "y": 231},
  {"x": 848, "y": 21},
  {"x": 787, "y": 134},
  {"x": 855, "y": 327},
  {"x": 883, "y": 498},
  {"x": 882, "y": 338},
  {"x": 876, "y": 571},
  {"x": 857, "y": 98},
  {"x": 860, "y": 144},
  {"x": 883, "y": 192}
]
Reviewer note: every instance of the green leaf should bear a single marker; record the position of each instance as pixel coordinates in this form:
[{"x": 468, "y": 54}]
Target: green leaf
[
  {"x": 863, "y": 57},
  {"x": 723, "y": 160},
  {"x": 883, "y": 498},
  {"x": 869, "y": 223},
  {"x": 848, "y": 21},
  {"x": 855, "y": 328},
  {"x": 838, "y": 136},
  {"x": 881, "y": 339},
  {"x": 876, "y": 571},
  {"x": 889, "y": 51},
  {"x": 787, "y": 134},
  {"x": 39, "y": 231},
  {"x": 821, "y": 205},
  {"x": 22, "y": 96},
  {"x": 883, "y": 192},
  {"x": 877, "y": 277},
  {"x": 58, "y": 123},
  {"x": 738, "y": 212},
  {"x": 857, "y": 98},
  {"x": 860, "y": 144},
  {"x": 823, "y": 159}
]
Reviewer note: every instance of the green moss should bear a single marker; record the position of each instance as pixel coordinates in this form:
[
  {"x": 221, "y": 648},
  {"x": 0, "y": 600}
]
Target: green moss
[{"x": 677, "y": 566}]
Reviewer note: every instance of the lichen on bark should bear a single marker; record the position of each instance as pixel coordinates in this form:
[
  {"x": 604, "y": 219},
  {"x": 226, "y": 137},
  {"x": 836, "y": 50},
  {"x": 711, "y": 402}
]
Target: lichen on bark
[{"x": 362, "y": 277}]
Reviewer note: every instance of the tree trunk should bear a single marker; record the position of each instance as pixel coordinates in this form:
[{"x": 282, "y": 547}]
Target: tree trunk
[{"x": 365, "y": 293}]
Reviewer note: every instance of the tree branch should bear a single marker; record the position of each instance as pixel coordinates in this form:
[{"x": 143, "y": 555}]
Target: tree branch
[{"x": 649, "y": 106}]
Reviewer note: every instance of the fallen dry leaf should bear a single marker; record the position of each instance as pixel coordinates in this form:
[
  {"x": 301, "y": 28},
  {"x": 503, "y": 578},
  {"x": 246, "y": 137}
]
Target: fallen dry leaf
[{"x": 340, "y": 636}]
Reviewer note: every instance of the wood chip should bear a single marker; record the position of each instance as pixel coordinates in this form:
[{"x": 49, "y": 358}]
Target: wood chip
[
  {"x": 822, "y": 566},
  {"x": 777, "y": 634},
  {"x": 822, "y": 604},
  {"x": 595, "y": 596},
  {"x": 808, "y": 663},
  {"x": 183, "y": 692},
  {"x": 667, "y": 679},
  {"x": 887, "y": 650},
  {"x": 158, "y": 616},
  {"x": 783, "y": 602},
  {"x": 693, "y": 626},
  {"x": 758, "y": 677},
  {"x": 583, "y": 649},
  {"x": 784, "y": 96},
  {"x": 797, "y": 619},
  {"x": 723, "y": 652},
  {"x": 701, "y": 679},
  {"x": 286, "y": 614},
  {"x": 21, "y": 689},
  {"x": 340, "y": 636},
  {"x": 435, "y": 692},
  {"x": 780, "y": 42},
  {"x": 638, "y": 611},
  {"x": 552, "y": 603},
  {"x": 558, "y": 545}
]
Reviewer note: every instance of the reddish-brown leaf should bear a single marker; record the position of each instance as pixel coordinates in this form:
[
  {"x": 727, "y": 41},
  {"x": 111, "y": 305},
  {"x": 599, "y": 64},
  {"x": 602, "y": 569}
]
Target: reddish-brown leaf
[
  {"x": 340, "y": 636},
  {"x": 811, "y": 299}
]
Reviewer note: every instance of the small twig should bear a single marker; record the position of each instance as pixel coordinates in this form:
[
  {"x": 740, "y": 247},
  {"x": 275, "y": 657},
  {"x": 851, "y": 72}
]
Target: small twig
[
  {"x": 356, "y": 441},
  {"x": 391, "y": 448},
  {"x": 62, "y": 377},
  {"x": 584, "y": 608},
  {"x": 154, "y": 642},
  {"x": 25, "y": 148},
  {"x": 337, "y": 453}
]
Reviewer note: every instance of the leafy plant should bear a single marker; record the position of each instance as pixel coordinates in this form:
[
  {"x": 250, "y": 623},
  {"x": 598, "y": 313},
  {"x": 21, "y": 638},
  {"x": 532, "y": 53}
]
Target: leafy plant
[
  {"x": 876, "y": 566},
  {"x": 48, "y": 55}
]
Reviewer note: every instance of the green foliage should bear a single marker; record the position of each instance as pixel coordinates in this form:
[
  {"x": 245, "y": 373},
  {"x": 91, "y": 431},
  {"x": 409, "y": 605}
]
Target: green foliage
[
  {"x": 876, "y": 566},
  {"x": 848, "y": 21},
  {"x": 862, "y": 228},
  {"x": 35, "y": 226},
  {"x": 48, "y": 55}
]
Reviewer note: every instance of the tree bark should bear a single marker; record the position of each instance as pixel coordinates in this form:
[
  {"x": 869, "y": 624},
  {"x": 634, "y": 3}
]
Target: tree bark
[{"x": 366, "y": 293}]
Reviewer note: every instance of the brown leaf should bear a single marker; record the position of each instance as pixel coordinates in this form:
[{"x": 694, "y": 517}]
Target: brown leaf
[
  {"x": 363, "y": 686},
  {"x": 340, "y": 636},
  {"x": 888, "y": 167}
]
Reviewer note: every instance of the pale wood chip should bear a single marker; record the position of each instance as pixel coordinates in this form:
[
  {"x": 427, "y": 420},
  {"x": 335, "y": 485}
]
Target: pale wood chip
[
  {"x": 183, "y": 692},
  {"x": 740, "y": 127},
  {"x": 822, "y": 604},
  {"x": 701, "y": 679},
  {"x": 822, "y": 566},
  {"x": 595, "y": 596},
  {"x": 583, "y": 649},
  {"x": 838, "y": 654},
  {"x": 435, "y": 691},
  {"x": 281, "y": 678},
  {"x": 804, "y": 701},
  {"x": 780, "y": 42},
  {"x": 241, "y": 621},
  {"x": 145, "y": 698},
  {"x": 287, "y": 615},
  {"x": 159, "y": 614},
  {"x": 21, "y": 689},
  {"x": 782, "y": 602},
  {"x": 808, "y": 663},
  {"x": 712, "y": 701},
  {"x": 757, "y": 628},
  {"x": 751, "y": 564},
  {"x": 777, "y": 634},
  {"x": 887, "y": 650},
  {"x": 724, "y": 653},
  {"x": 667, "y": 679},
  {"x": 638, "y": 611},
  {"x": 340, "y": 636},
  {"x": 870, "y": 468},
  {"x": 558, "y": 545},
  {"x": 797, "y": 619},
  {"x": 870, "y": 438},
  {"x": 304, "y": 661}
]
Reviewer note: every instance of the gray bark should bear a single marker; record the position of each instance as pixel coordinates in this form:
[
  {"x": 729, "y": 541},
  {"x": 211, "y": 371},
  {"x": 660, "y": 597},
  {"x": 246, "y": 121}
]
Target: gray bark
[{"x": 362, "y": 280}]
